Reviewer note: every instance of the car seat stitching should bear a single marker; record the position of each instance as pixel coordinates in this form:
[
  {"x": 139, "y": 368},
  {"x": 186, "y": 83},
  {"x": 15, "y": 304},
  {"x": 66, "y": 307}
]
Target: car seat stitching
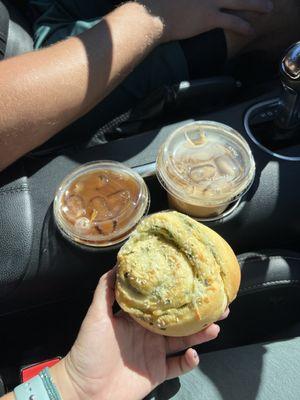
[
  {"x": 270, "y": 283},
  {"x": 13, "y": 190}
]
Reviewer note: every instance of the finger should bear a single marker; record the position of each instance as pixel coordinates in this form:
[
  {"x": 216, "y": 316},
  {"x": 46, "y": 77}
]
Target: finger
[
  {"x": 104, "y": 295},
  {"x": 224, "y": 315},
  {"x": 176, "y": 344},
  {"x": 180, "y": 365},
  {"x": 235, "y": 24},
  {"x": 261, "y": 6}
]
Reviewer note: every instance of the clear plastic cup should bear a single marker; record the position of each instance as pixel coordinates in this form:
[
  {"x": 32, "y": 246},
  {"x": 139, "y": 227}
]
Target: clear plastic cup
[
  {"x": 100, "y": 203},
  {"x": 205, "y": 166}
]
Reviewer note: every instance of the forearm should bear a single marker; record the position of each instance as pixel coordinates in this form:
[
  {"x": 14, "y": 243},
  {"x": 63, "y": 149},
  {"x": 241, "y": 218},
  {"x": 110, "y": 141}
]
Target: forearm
[
  {"x": 9, "y": 396},
  {"x": 45, "y": 91}
]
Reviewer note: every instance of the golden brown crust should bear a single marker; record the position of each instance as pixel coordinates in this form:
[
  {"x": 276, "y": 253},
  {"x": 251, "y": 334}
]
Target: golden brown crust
[
  {"x": 175, "y": 276},
  {"x": 231, "y": 273}
]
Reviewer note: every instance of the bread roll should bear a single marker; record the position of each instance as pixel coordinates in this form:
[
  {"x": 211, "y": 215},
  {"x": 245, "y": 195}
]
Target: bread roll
[{"x": 176, "y": 276}]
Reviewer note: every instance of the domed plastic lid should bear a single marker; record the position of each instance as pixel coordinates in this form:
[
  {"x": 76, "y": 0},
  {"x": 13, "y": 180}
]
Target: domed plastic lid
[
  {"x": 205, "y": 163},
  {"x": 100, "y": 203}
]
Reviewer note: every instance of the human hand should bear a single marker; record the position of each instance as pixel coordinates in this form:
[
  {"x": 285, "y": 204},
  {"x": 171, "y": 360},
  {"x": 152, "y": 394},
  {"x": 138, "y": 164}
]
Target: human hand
[
  {"x": 116, "y": 358},
  {"x": 274, "y": 31},
  {"x": 186, "y": 18}
]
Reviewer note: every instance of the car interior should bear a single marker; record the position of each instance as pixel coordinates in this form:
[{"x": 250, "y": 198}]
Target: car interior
[{"x": 47, "y": 282}]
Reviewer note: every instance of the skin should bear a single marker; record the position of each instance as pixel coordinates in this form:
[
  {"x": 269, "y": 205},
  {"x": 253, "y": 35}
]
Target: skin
[
  {"x": 115, "y": 358},
  {"x": 274, "y": 31},
  {"x": 44, "y": 91}
]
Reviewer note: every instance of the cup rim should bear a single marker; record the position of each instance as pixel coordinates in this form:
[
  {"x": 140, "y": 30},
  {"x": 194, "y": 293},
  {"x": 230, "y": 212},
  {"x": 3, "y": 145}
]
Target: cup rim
[
  {"x": 115, "y": 237},
  {"x": 194, "y": 200}
]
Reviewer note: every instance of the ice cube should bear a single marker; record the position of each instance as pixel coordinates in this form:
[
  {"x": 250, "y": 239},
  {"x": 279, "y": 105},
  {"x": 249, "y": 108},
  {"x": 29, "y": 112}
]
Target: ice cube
[
  {"x": 226, "y": 165},
  {"x": 202, "y": 173},
  {"x": 106, "y": 227},
  {"x": 74, "y": 206},
  {"x": 99, "y": 204},
  {"x": 102, "y": 181},
  {"x": 118, "y": 202},
  {"x": 82, "y": 225}
]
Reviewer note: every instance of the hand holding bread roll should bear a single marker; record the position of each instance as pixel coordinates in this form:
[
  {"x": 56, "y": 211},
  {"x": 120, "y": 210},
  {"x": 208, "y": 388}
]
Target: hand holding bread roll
[{"x": 176, "y": 276}]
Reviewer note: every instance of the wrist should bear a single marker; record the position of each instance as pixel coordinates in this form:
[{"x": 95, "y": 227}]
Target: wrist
[{"x": 63, "y": 381}]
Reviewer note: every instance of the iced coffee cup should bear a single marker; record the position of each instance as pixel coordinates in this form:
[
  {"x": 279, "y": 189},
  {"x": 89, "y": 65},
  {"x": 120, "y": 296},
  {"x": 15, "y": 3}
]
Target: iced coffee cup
[
  {"x": 100, "y": 203},
  {"x": 204, "y": 167}
]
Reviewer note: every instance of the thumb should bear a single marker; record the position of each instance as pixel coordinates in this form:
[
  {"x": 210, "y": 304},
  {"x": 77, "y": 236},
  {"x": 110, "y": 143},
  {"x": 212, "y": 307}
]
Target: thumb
[
  {"x": 180, "y": 365},
  {"x": 104, "y": 295}
]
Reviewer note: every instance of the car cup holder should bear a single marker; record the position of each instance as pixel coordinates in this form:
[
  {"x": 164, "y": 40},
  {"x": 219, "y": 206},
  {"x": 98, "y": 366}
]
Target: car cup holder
[
  {"x": 229, "y": 210},
  {"x": 204, "y": 169},
  {"x": 261, "y": 127}
]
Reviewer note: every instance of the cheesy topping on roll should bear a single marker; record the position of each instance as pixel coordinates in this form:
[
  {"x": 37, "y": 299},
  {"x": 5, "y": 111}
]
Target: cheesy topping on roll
[{"x": 176, "y": 276}]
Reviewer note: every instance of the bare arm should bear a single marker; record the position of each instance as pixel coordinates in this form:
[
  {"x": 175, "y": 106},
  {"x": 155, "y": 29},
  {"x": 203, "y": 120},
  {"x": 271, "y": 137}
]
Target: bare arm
[
  {"x": 9, "y": 396},
  {"x": 44, "y": 91}
]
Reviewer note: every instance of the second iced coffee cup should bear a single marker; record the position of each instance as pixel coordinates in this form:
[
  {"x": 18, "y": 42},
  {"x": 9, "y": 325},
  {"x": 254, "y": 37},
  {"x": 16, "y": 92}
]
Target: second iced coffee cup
[{"x": 204, "y": 167}]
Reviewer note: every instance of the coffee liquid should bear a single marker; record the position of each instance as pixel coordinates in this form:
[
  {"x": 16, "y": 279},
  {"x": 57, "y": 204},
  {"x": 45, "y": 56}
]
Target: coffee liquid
[{"x": 100, "y": 202}]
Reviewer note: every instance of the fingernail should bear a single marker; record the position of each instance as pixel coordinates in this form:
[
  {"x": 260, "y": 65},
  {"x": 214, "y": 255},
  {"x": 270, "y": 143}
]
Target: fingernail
[
  {"x": 195, "y": 355},
  {"x": 217, "y": 328}
]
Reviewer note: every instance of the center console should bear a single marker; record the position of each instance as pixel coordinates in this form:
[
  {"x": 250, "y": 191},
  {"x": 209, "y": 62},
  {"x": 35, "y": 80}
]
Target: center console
[
  {"x": 47, "y": 280},
  {"x": 39, "y": 265},
  {"x": 274, "y": 125},
  {"x": 47, "y": 267}
]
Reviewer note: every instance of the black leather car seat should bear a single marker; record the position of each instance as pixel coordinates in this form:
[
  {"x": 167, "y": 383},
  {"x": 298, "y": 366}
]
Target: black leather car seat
[
  {"x": 19, "y": 34},
  {"x": 267, "y": 366},
  {"x": 268, "y": 301}
]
